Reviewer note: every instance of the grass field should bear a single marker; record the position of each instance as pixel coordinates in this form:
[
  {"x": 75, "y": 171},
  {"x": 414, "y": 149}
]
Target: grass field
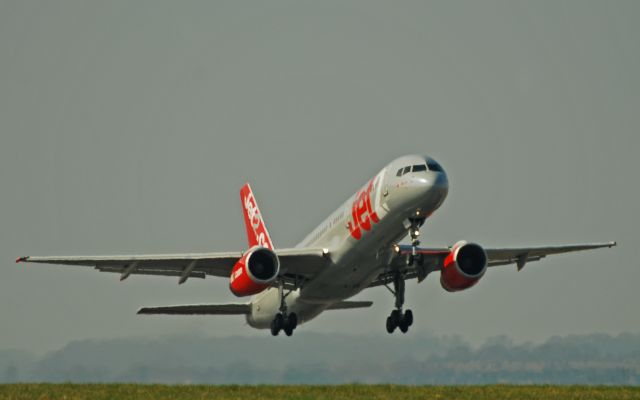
[{"x": 232, "y": 392}]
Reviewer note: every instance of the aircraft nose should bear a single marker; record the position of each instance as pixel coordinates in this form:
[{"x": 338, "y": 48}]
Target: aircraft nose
[
  {"x": 431, "y": 190},
  {"x": 441, "y": 185},
  {"x": 420, "y": 187},
  {"x": 441, "y": 182}
]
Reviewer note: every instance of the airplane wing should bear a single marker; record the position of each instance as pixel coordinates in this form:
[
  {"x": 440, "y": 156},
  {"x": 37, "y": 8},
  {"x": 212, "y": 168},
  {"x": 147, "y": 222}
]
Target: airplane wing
[
  {"x": 433, "y": 258},
  {"x": 295, "y": 263},
  {"x": 521, "y": 256}
]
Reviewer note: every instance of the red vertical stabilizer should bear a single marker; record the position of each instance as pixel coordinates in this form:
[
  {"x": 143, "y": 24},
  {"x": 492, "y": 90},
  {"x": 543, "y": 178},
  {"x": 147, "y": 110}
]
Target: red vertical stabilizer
[{"x": 257, "y": 233}]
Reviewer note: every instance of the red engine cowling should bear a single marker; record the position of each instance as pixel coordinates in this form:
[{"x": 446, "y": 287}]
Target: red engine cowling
[
  {"x": 254, "y": 272},
  {"x": 463, "y": 267}
]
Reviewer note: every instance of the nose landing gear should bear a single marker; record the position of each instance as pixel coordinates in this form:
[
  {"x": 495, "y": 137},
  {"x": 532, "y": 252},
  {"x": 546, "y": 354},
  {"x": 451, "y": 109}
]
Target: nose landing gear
[
  {"x": 414, "y": 233},
  {"x": 284, "y": 321}
]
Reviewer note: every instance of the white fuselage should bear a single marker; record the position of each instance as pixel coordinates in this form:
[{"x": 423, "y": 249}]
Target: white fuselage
[{"x": 360, "y": 236}]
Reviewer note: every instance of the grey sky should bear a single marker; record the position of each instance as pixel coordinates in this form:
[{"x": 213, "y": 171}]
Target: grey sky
[{"x": 129, "y": 127}]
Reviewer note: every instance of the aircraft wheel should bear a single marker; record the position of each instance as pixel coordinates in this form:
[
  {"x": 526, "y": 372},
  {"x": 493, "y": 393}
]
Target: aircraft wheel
[
  {"x": 292, "y": 321},
  {"x": 393, "y": 320},
  {"x": 390, "y": 326},
  {"x": 395, "y": 317},
  {"x": 277, "y": 324},
  {"x": 279, "y": 321},
  {"x": 288, "y": 330},
  {"x": 408, "y": 317},
  {"x": 274, "y": 328},
  {"x": 403, "y": 327}
]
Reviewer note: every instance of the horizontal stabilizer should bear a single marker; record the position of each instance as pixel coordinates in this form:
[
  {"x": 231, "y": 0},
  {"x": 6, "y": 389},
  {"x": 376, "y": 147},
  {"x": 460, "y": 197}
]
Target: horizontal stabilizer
[
  {"x": 200, "y": 309},
  {"x": 346, "y": 305}
]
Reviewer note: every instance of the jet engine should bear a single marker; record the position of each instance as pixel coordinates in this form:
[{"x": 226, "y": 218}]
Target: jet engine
[
  {"x": 254, "y": 271},
  {"x": 463, "y": 267}
]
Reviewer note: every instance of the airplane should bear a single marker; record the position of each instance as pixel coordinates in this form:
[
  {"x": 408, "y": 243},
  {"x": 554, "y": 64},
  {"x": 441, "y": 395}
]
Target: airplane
[{"x": 355, "y": 248}]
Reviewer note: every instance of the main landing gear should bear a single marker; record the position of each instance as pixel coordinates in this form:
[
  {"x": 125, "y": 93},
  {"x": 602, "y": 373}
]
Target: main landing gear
[
  {"x": 399, "y": 319},
  {"x": 284, "y": 321}
]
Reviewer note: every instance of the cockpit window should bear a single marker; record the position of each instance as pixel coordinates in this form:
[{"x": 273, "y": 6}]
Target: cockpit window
[
  {"x": 434, "y": 166},
  {"x": 419, "y": 168},
  {"x": 410, "y": 168}
]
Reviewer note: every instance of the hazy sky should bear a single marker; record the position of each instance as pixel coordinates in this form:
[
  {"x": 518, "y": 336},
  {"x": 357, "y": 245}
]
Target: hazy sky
[{"x": 129, "y": 127}]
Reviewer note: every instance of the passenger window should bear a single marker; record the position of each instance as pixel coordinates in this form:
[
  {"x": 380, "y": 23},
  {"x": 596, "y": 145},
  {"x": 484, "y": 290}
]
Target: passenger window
[
  {"x": 399, "y": 173},
  {"x": 434, "y": 166},
  {"x": 419, "y": 168},
  {"x": 406, "y": 169}
]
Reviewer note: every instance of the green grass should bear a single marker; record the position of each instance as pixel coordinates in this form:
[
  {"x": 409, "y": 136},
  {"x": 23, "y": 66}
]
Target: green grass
[{"x": 369, "y": 392}]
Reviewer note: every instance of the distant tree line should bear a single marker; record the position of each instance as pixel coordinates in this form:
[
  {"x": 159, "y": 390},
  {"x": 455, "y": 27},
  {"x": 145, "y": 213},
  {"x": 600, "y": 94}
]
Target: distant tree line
[{"x": 329, "y": 359}]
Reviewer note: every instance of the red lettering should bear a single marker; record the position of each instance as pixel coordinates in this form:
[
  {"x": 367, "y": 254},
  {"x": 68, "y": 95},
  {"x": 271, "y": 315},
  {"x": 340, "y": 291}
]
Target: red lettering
[
  {"x": 362, "y": 213},
  {"x": 355, "y": 231},
  {"x": 354, "y": 226},
  {"x": 372, "y": 214},
  {"x": 363, "y": 217}
]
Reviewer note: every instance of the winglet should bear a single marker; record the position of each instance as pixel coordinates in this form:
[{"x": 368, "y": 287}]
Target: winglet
[
  {"x": 256, "y": 229},
  {"x": 22, "y": 259}
]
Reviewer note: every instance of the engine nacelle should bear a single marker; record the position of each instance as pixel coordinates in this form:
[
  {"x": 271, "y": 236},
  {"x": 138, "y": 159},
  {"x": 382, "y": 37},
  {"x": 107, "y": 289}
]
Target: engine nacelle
[
  {"x": 254, "y": 272},
  {"x": 463, "y": 267}
]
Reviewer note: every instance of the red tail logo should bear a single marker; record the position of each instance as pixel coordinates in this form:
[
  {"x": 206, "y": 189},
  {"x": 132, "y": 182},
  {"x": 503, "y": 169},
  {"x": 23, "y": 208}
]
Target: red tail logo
[{"x": 256, "y": 228}]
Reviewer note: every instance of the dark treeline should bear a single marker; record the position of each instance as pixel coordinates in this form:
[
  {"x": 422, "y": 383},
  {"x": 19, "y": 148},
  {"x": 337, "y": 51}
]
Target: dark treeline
[{"x": 329, "y": 359}]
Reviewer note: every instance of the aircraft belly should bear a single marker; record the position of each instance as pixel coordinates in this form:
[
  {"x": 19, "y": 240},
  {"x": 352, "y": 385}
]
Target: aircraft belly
[
  {"x": 342, "y": 280},
  {"x": 265, "y": 306}
]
